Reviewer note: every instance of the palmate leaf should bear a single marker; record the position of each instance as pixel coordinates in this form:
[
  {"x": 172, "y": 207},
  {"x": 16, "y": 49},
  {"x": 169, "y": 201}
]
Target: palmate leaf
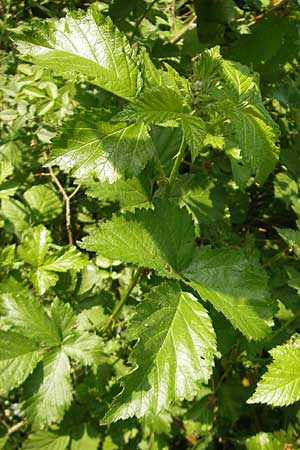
[
  {"x": 90, "y": 147},
  {"x": 234, "y": 285},
  {"x": 280, "y": 385},
  {"x": 51, "y": 390},
  {"x": 161, "y": 239},
  {"x": 88, "y": 44},
  {"x": 174, "y": 353},
  {"x": 18, "y": 358}
]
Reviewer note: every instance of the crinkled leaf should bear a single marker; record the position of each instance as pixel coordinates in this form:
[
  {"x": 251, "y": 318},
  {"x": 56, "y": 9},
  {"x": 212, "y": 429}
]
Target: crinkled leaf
[
  {"x": 242, "y": 86},
  {"x": 18, "y": 357},
  {"x": 88, "y": 44},
  {"x": 155, "y": 105},
  {"x": 194, "y": 131},
  {"x": 280, "y": 385},
  {"x": 235, "y": 285},
  {"x": 46, "y": 440},
  {"x": 161, "y": 239},
  {"x": 174, "y": 353},
  {"x": 51, "y": 390},
  {"x": 24, "y": 313},
  {"x": 35, "y": 245},
  {"x": 89, "y": 147}
]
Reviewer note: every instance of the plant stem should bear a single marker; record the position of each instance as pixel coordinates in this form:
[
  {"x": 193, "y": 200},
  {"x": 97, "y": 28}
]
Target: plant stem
[
  {"x": 178, "y": 161},
  {"x": 134, "y": 280},
  {"x": 16, "y": 427}
]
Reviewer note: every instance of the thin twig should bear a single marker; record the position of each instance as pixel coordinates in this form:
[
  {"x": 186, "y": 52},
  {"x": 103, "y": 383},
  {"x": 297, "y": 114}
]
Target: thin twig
[
  {"x": 280, "y": 4},
  {"x": 67, "y": 199},
  {"x": 17, "y": 426},
  {"x": 179, "y": 35}
]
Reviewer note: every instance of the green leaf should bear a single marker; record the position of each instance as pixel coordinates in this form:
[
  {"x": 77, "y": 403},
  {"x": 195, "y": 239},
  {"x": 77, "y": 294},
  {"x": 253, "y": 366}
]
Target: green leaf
[
  {"x": 155, "y": 105},
  {"x": 280, "y": 385},
  {"x": 51, "y": 390},
  {"x": 235, "y": 285},
  {"x": 292, "y": 238},
  {"x": 42, "y": 279},
  {"x": 90, "y": 147},
  {"x": 85, "y": 348},
  {"x": 161, "y": 239},
  {"x": 264, "y": 441},
  {"x": 64, "y": 318},
  {"x": 242, "y": 87},
  {"x": 194, "y": 131},
  {"x": 45, "y": 204},
  {"x": 174, "y": 353},
  {"x": 46, "y": 440},
  {"x": 25, "y": 314},
  {"x": 16, "y": 215},
  {"x": 88, "y": 44},
  {"x": 131, "y": 194},
  {"x": 18, "y": 357},
  {"x": 35, "y": 245},
  {"x": 87, "y": 440},
  {"x": 64, "y": 260},
  {"x": 256, "y": 139}
]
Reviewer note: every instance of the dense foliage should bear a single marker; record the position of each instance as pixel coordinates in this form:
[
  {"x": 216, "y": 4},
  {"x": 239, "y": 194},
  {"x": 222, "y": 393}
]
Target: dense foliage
[{"x": 150, "y": 232}]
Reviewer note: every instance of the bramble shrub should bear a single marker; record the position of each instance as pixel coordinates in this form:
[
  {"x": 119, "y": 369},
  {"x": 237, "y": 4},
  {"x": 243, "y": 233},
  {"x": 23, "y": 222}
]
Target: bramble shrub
[{"x": 150, "y": 243}]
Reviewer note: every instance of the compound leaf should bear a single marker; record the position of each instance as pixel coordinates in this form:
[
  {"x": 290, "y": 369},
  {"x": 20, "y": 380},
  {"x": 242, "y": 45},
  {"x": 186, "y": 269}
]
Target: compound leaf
[
  {"x": 235, "y": 285},
  {"x": 174, "y": 353},
  {"x": 280, "y": 385}
]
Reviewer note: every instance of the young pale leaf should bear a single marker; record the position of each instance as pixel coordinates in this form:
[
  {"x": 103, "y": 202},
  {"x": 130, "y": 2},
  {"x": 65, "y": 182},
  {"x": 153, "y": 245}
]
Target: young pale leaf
[
  {"x": 235, "y": 286},
  {"x": 25, "y": 314},
  {"x": 85, "y": 348},
  {"x": 174, "y": 353},
  {"x": 161, "y": 239},
  {"x": 42, "y": 279},
  {"x": 18, "y": 357},
  {"x": 265, "y": 441},
  {"x": 66, "y": 259},
  {"x": 88, "y": 44},
  {"x": 280, "y": 385},
  {"x": 89, "y": 147},
  {"x": 46, "y": 440},
  {"x": 35, "y": 245},
  {"x": 51, "y": 390}
]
